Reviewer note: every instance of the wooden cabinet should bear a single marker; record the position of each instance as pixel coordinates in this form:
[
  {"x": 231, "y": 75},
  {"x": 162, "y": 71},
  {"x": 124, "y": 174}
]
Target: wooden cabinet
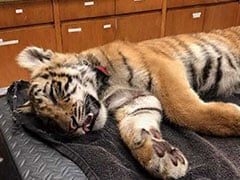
[
  {"x": 221, "y": 16},
  {"x": 130, "y": 6},
  {"x": 25, "y": 13},
  {"x": 238, "y": 18},
  {"x": 76, "y": 25},
  {"x": 86, "y": 34},
  {"x": 183, "y": 3},
  {"x": 202, "y": 18},
  {"x": 22, "y": 24},
  {"x": 13, "y": 41},
  {"x": 188, "y": 20},
  {"x": 75, "y": 9},
  {"x": 139, "y": 27}
]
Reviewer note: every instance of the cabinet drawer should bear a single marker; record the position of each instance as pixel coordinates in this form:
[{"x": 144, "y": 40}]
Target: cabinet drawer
[
  {"x": 238, "y": 18},
  {"x": 216, "y": 19},
  {"x": 126, "y": 6},
  {"x": 12, "y": 42},
  {"x": 187, "y": 20},
  {"x": 74, "y": 9},
  {"x": 181, "y": 3},
  {"x": 139, "y": 27},
  {"x": 87, "y": 34},
  {"x": 25, "y": 13}
]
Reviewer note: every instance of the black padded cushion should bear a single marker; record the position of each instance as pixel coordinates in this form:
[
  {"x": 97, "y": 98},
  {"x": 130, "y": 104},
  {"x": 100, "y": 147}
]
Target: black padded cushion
[{"x": 103, "y": 155}]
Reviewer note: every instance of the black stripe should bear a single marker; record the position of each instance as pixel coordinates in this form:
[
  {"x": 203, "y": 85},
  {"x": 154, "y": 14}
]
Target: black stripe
[
  {"x": 108, "y": 60},
  {"x": 220, "y": 52},
  {"x": 59, "y": 88},
  {"x": 35, "y": 53},
  {"x": 45, "y": 88},
  {"x": 204, "y": 50},
  {"x": 143, "y": 110},
  {"x": 45, "y": 76},
  {"x": 149, "y": 85},
  {"x": 69, "y": 94},
  {"x": 50, "y": 73},
  {"x": 208, "y": 63},
  {"x": 38, "y": 100},
  {"x": 83, "y": 73},
  {"x": 194, "y": 77},
  {"x": 214, "y": 89},
  {"x": 124, "y": 59},
  {"x": 51, "y": 94},
  {"x": 53, "y": 74},
  {"x": 66, "y": 99},
  {"x": 206, "y": 71},
  {"x": 225, "y": 54},
  {"x": 69, "y": 80},
  {"x": 87, "y": 81},
  {"x": 75, "y": 111},
  {"x": 187, "y": 49},
  {"x": 230, "y": 62},
  {"x": 219, "y": 71},
  {"x": 191, "y": 57},
  {"x": 207, "y": 42},
  {"x": 36, "y": 92},
  {"x": 33, "y": 87},
  {"x": 93, "y": 59},
  {"x": 73, "y": 90},
  {"x": 79, "y": 112}
]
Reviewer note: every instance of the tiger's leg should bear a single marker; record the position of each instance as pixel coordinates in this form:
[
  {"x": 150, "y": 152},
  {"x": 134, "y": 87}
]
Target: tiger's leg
[
  {"x": 139, "y": 125},
  {"x": 183, "y": 106}
]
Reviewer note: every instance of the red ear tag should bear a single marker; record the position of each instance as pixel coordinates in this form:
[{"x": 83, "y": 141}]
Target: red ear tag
[{"x": 103, "y": 70}]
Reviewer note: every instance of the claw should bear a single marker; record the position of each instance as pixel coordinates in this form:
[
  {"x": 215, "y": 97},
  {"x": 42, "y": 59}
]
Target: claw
[
  {"x": 173, "y": 159},
  {"x": 25, "y": 108},
  {"x": 177, "y": 156}
]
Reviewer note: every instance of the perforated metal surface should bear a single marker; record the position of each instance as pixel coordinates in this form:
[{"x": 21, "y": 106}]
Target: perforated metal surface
[{"x": 34, "y": 159}]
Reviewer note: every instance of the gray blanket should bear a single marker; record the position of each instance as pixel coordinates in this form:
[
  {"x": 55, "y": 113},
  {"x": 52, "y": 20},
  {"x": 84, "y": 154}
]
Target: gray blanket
[{"x": 102, "y": 154}]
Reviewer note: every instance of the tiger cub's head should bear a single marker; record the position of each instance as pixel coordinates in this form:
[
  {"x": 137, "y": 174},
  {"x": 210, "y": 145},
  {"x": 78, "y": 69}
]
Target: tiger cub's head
[{"x": 64, "y": 88}]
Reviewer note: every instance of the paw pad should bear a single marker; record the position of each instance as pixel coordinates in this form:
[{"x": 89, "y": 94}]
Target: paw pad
[
  {"x": 155, "y": 133},
  {"x": 162, "y": 147}
]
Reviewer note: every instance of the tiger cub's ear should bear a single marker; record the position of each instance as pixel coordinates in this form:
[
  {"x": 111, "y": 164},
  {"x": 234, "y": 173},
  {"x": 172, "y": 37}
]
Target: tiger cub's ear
[{"x": 32, "y": 57}]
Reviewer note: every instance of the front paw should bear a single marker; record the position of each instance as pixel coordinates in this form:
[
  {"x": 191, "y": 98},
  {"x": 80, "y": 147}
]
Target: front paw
[{"x": 158, "y": 156}]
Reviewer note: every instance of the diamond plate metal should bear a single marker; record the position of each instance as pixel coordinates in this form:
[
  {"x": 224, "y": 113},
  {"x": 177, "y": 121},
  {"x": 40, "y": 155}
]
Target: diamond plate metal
[{"x": 34, "y": 159}]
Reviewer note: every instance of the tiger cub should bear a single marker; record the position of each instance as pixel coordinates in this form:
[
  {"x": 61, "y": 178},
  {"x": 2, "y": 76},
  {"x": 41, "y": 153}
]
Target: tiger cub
[{"x": 137, "y": 82}]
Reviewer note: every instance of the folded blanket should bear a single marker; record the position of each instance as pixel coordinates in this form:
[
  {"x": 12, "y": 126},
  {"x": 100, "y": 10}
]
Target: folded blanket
[{"x": 103, "y": 155}]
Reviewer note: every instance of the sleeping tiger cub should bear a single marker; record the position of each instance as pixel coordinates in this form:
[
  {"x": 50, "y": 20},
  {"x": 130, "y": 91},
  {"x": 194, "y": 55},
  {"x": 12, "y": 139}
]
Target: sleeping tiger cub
[{"x": 137, "y": 82}]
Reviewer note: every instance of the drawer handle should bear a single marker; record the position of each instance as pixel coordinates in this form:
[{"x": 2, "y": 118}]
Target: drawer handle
[
  {"x": 11, "y": 42},
  {"x": 138, "y": 0},
  {"x": 196, "y": 15},
  {"x": 19, "y": 11},
  {"x": 72, "y": 30},
  {"x": 107, "y": 26},
  {"x": 89, "y": 3}
]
